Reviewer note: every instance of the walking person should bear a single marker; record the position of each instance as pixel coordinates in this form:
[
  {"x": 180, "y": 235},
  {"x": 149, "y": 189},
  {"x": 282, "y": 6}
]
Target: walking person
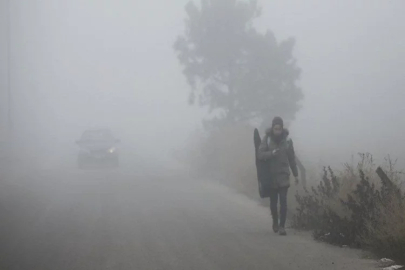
[{"x": 279, "y": 150}]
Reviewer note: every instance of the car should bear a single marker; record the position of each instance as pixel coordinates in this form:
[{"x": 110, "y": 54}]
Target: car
[{"x": 98, "y": 147}]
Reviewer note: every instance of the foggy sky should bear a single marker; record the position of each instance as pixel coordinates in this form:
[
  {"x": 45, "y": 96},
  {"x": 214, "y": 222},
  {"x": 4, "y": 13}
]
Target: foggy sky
[
  {"x": 353, "y": 58},
  {"x": 110, "y": 63}
]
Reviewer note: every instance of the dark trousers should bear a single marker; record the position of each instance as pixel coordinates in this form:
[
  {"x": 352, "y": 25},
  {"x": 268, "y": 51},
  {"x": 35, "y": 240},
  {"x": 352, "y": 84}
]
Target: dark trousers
[{"x": 274, "y": 194}]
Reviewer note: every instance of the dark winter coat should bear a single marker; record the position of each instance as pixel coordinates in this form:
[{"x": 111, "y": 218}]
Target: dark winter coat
[{"x": 280, "y": 163}]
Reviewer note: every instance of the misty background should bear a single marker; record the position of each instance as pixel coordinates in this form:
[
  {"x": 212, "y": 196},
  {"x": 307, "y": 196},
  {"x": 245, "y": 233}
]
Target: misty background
[{"x": 76, "y": 64}]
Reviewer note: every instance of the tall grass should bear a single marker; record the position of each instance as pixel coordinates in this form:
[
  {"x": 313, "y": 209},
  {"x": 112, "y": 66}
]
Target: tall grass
[
  {"x": 357, "y": 208},
  {"x": 348, "y": 207}
]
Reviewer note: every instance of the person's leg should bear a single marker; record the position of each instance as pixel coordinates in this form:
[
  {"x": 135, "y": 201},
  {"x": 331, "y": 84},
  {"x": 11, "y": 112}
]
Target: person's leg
[
  {"x": 273, "y": 208},
  {"x": 283, "y": 207}
]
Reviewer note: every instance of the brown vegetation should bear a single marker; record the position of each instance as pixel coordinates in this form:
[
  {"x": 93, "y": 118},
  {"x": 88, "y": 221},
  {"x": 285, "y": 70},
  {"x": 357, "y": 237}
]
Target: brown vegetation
[
  {"x": 353, "y": 207},
  {"x": 357, "y": 208}
]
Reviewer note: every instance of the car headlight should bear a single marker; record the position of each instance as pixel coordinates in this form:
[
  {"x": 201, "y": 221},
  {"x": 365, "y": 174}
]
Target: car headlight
[{"x": 111, "y": 150}]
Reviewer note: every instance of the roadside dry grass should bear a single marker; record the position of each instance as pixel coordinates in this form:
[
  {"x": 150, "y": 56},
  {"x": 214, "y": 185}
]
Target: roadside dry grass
[
  {"x": 346, "y": 207},
  {"x": 357, "y": 208}
]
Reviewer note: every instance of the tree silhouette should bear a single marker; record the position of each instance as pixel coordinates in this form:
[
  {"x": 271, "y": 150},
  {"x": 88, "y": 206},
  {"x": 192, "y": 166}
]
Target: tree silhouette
[{"x": 235, "y": 71}]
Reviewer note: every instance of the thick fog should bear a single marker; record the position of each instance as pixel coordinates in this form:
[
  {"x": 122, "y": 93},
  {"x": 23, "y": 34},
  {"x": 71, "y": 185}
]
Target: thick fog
[
  {"x": 77, "y": 64},
  {"x": 352, "y": 55},
  {"x": 165, "y": 197}
]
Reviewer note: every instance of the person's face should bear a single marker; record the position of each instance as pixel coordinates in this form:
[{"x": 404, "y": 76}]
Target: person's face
[{"x": 277, "y": 130}]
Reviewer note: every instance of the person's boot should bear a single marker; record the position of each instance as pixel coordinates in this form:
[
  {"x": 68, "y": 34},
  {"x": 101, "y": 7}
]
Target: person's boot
[
  {"x": 275, "y": 226},
  {"x": 282, "y": 231}
]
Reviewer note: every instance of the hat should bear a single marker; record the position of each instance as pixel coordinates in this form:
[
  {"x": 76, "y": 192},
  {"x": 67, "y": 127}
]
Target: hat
[{"x": 277, "y": 121}]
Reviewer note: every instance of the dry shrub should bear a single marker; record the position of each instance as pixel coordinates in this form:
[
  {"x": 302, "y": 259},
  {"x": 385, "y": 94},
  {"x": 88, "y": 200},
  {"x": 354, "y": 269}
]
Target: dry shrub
[
  {"x": 357, "y": 208},
  {"x": 353, "y": 207},
  {"x": 387, "y": 235}
]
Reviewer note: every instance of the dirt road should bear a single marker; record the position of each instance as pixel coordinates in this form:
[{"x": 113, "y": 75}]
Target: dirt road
[{"x": 141, "y": 220}]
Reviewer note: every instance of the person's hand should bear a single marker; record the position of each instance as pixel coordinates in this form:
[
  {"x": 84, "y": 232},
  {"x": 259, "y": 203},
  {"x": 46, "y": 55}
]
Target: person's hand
[
  {"x": 275, "y": 152},
  {"x": 296, "y": 180}
]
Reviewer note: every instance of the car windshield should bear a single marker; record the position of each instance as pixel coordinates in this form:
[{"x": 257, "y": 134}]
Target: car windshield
[{"x": 99, "y": 135}]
